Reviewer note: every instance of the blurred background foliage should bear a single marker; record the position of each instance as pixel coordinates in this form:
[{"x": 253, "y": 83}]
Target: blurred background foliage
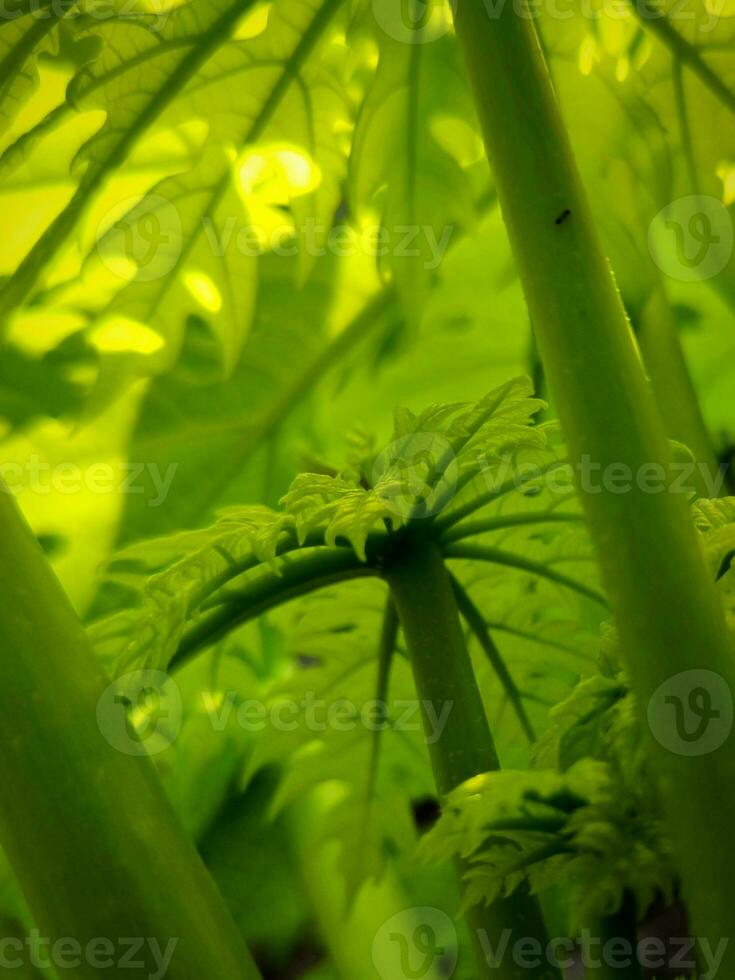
[{"x": 144, "y": 343}]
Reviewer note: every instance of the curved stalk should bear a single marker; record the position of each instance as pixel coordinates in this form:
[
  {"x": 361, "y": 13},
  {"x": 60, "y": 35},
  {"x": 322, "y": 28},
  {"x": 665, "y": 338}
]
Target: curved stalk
[
  {"x": 423, "y": 594},
  {"x": 86, "y": 826},
  {"x": 298, "y": 577},
  {"x": 669, "y": 617}
]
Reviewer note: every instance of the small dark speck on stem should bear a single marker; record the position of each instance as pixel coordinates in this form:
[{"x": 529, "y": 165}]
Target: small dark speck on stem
[{"x": 563, "y": 217}]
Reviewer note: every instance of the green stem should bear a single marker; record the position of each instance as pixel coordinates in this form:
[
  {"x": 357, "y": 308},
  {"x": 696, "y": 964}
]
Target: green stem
[
  {"x": 422, "y": 591},
  {"x": 669, "y": 617},
  {"x": 86, "y": 826},
  {"x": 676, "y": 396}
]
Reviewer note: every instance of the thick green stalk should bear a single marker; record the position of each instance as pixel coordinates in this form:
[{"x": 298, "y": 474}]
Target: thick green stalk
[
  {"x": 423, "y": 594},
  {"x": 670, "y": 619},
  {"x": 86, "y": 827},
  {"x": 422, "y": 591}
]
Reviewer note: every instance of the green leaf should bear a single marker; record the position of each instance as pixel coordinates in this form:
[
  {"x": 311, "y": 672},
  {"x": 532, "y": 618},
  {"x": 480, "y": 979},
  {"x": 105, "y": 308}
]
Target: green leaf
[
  {"x": 129, "y": 55},
  {"x": 406, "y": 162},
  {"x": 209, "y": 236},
  {"x": 29, "y": 32},
  {"x": 333, "y": 719},
  {"x": 203, "y": 425},
  {"x": 174, "y": 575},
  {"x": 715, "y": 520},
  {"x": 342, "y": 508},
  {"x": 198, "y": 276}
]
